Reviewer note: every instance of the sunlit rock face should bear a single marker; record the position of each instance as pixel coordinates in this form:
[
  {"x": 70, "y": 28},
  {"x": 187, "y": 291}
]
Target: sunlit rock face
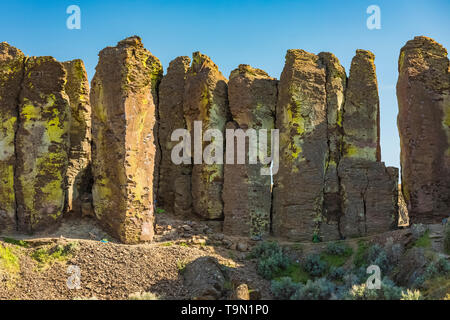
[
  {"x": 124, "y": 107},
  {"x": 423, "y": 92}
]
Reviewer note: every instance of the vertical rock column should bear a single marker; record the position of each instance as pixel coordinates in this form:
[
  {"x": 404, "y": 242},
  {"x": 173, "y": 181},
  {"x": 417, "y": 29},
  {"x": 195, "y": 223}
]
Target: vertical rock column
[
  {"x": 302, "y": 120},
  {"x": 423, "y": 92},
  {"x": 42, "y": 144},
  {"x": 11, "y": 75},
  {"x": 78, "y": 172},
  {"x": 206, "y": 100},
  {"x": 335, "y": 87},
  {"x": 247, "y": 193},
  {"x": 368, "y": 189},
  {"x": 124, "y": 107},
  {"x": 174, "y": 189}
]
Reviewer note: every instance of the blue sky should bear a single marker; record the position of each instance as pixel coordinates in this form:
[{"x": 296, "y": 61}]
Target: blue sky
[{"x": 234, "y": 32}]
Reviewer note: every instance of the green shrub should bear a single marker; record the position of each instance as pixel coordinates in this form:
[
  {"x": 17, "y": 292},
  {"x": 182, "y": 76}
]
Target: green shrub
[
  {"x": 271, "y": 259},
  {"x": 338, "y": 249},
  {"x": 447, "y": 238},
  {"x": 295, "y": 272},
  {"x": 283, "y": 288},
  {"x": 336, "y": 273},
  {"x": 360, "y": 258},
  {"x": 411, "y": 295},
  {"x": 20, "y": 243},
  {"x": 320, "y": 289},
  {"x": 388, "y": 291},
  {"x": 314, "y": 265}
]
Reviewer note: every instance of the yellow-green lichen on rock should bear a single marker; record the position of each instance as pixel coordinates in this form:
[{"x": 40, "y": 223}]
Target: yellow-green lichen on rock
[
  {"x": 124, "y": 132},
  {"x": 205, "y": 99},
  {"x": 42, "y": 143},
  {"x": 78, "y": 171},
  {"x": 11, "y": 74}
]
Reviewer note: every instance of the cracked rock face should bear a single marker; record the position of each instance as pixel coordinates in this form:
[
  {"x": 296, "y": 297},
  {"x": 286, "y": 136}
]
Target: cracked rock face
[
  {"x": 124, "y": 105},
  {"x": 301, "y": 118},
  {"x": 174, "y": 189},
  {"x": 336, "y": 80},
  {"x": 423, "y": 93},
  {"x": 206, "y": 100},
  {"x": 11, "y": 75},
  {"x": 42, "y": 144},
  {"x": 247, "y": 193},
  {"x": 78, "y": 171}
]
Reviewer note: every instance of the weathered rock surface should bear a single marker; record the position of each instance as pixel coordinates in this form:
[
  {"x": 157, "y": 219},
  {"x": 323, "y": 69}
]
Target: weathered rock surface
[
  {"x": 302, "y": 120},
  {"x": 369, "y": 190},
  {"x": 205, "y": 279},
  {"x": 361, "y": 118},
  {"x": 206, "y": 100},
  {"x": 247, "y": 193},
  {"x": 11, "y": 75},
  {"x": 423, "y": 93},
  {"x": 78, "y": 172},
  {"x": 174, "y": 189},
  {"x": 124, "y": 105},
  {"x": 42, "y": 144},
  {"x": 336, "y": 81}
]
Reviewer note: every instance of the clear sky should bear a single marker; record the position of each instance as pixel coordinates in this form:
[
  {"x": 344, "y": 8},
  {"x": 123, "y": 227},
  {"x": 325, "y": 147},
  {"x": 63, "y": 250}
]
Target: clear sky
[{"x": 234, "y": 32}]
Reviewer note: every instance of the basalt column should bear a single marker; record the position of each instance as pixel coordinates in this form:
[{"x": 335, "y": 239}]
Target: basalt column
[
  {"x": 247, "y": 189},
  {"x": 11, "y": 75},
  {"x": 301, "y": 118},
  {"x": 42, "y": 144},
  {"x": 423, "y": 92},
  {"x": 336, "y": 81},
  {"x": 174, "y": 189},
  {"x": 206, "y": 100},
  {"x": 78, "y": 172},
  {"x": 369, "y": 190},
  {"x": 124, "y": 102}
]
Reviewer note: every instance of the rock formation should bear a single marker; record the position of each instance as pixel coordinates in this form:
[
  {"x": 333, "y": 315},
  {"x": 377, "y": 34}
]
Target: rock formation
[
  {"x": 206, "y": 100},
  {"x": 78, "y": 172},
  {"x": 11, "y": 75},
  {"x": 302, "y": 120},
  {"x": 423, "y": 92},
  {"x": 124, "y": 106},
  {"x": 247, "y": 192},
  {"x": 369, "y": 190},
  {"x": 174, "y": 189},
  {"x": 42, "y": 144}
]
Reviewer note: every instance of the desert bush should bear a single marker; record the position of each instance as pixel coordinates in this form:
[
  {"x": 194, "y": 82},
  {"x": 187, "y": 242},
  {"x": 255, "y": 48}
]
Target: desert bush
[
  {"x": 418, "y": 230},
  {"x": 284, "y": 288},
  {"x": 314, "y": 265},
  {"x": 388, "y": 291},
  {"x": 271, "y": 259},
  {"x": 378, "y": 256},
  {"x": 338, "y": 248},
  {"x": 411, "y": 295},
  {"x": 319, "y": 289},
  {"x": 336, "y": 274}
]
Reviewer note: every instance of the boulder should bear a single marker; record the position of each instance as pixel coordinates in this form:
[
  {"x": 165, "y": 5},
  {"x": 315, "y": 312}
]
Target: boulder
[
  {"x": 78, "y": 171},
  {"x": 247, "y": 192},
  {"x": 11, "y": 76},
  {"x": 174, "y": 191},
  {"x": 301, "y": 118},
  {"x": 204, "y": 279},
  {"x": 124, "y": 132},
  {"x": 42, "y": 145},
  {"x": 206, "y": 100},
  {"x": 423, "y": 93}
]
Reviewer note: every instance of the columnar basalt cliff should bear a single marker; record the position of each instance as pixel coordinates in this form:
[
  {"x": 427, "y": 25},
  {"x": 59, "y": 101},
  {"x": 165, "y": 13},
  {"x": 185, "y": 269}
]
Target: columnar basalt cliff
[
  {"x": 174, "y": 189},
  {"x": 247, "y": 192},
  {"x": 206, "y": 100},
  {"x": 423, "y": 92},
  {"x": 124, "y": 102},
  {"x": 302, "y": 120},
  {"x": 78, "y": 171},
  {"x": 369, "y": 190},
  {"x": 11, "y": 76},
  {"x": 330, "y": 184}
]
